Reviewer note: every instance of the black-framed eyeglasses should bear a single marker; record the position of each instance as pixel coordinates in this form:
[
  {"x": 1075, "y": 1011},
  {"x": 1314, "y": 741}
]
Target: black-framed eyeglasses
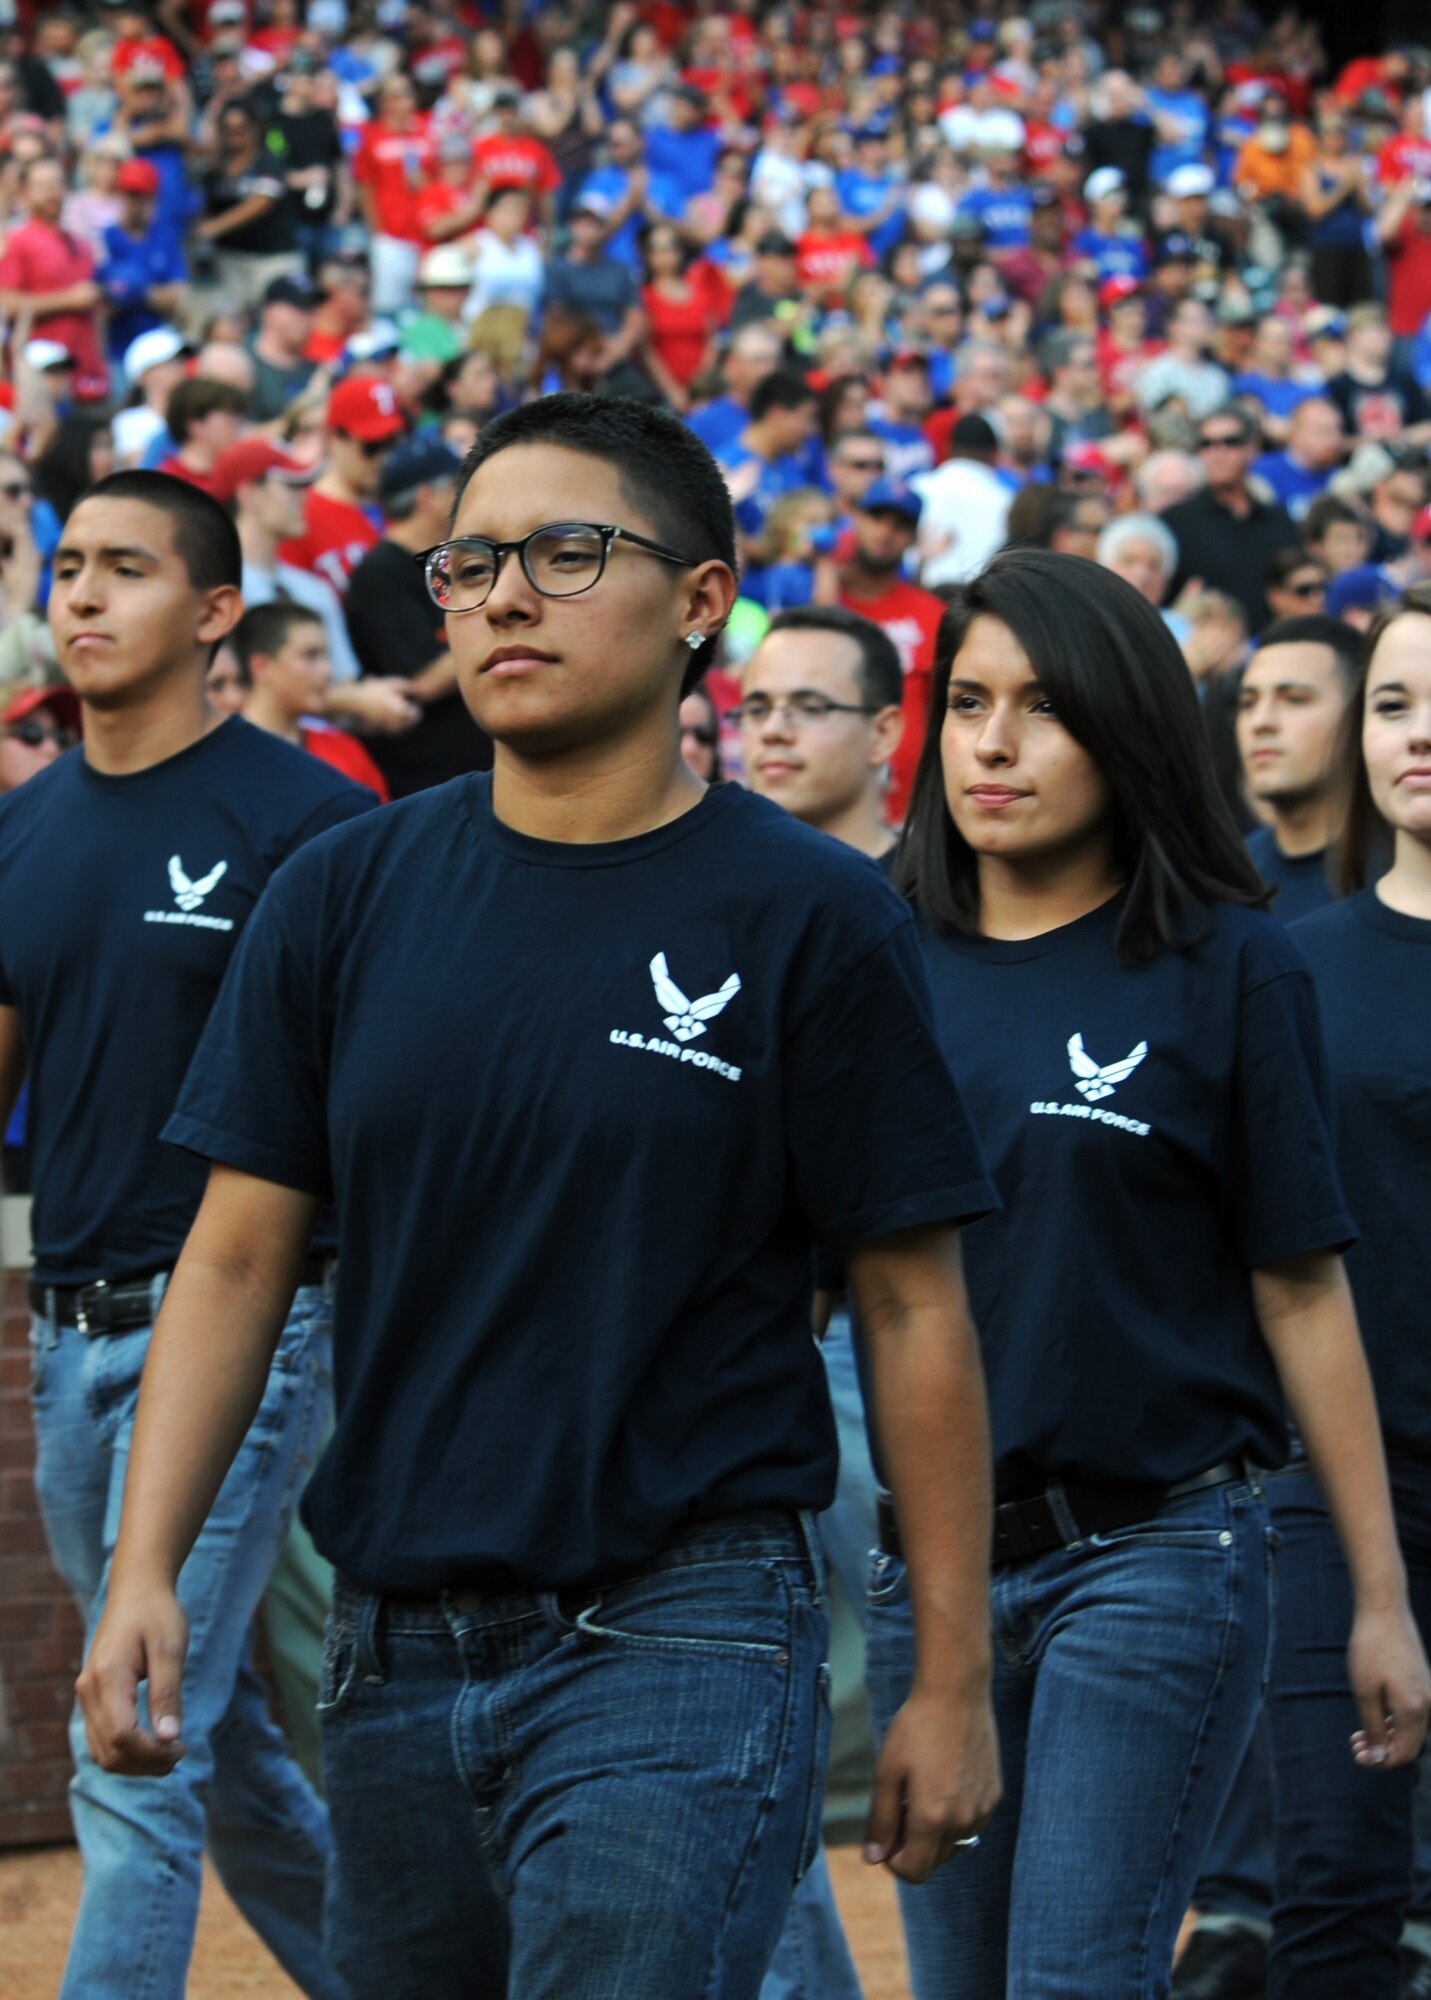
[
  {"x": 1308, "y": 587},
  {"x": 757, "y": 709},
  {"x": 33, "y": 734},
  {"x": 561, "y": 559}
]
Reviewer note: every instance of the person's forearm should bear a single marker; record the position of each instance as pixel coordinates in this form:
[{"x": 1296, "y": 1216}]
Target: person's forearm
[
  {"x": 214, "y": 227},
  {"x": 434, "y": 681},
  {"x": 203, "y": 1381},
  {"x": 933, "y": 1432},
  {"x": 1305, "y": 1308}
]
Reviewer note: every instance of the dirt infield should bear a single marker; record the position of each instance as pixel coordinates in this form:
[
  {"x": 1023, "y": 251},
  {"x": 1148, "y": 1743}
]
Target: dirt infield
[{"x": 38, "y": 1888}]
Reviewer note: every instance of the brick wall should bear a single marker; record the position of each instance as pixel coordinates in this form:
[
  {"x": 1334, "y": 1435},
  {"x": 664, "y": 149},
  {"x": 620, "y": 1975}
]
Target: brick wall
[{"x": 39, "y": 1628}]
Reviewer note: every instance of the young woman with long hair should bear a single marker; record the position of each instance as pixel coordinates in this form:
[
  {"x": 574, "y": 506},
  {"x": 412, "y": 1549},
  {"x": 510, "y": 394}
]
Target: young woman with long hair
[
  {"x": 1139, "y": 1044},
  {"x": 1344, "y": 1836}
]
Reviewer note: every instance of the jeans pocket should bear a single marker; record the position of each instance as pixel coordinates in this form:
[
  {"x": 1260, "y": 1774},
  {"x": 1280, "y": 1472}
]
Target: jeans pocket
[
  {"x": 1157, "y": 1534},
  {"x": 1272, "y": 1539},
  {"x": 735, "y": 1610},
  {"x": 40, "y": 1345},
  {"x": 815, "y": 1809},
  {"x": 339, "y": 1671},
  {"x": 888, "y": 1579}
]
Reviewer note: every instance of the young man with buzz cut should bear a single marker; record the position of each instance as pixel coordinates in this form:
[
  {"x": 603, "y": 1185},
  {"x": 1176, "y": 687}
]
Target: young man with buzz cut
[
  {"x": 128, "y": 871},
  {"x": 1290, "y": 702},
  {"x": 283, "y": 661}
]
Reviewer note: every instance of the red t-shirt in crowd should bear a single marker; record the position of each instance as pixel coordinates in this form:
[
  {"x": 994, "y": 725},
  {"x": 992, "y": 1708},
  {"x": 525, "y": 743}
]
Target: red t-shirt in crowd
[
  {"x": 1043, "y": 144},
  {"x": 437, "y": 201},
  {"x": 336, "y": 536},
  {"x": 146, "y": 52},
  {"x": 681, "y": 331},
  {"x": 177, "y": 469},
  {"x": 395, "y": 167},
  {"x": 1402, "y": 158},
  {"x": 825, "y": 264},
  {"x": 516, "y": 162},
  {"x": 1408, "y": 278},
  {"x": 40, "y": 258},
  {"x": 911, "y": 618},
  {"x": 346, "y": 754}
]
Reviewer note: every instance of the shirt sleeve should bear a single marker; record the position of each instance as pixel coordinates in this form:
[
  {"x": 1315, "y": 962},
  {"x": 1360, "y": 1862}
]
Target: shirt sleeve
[
  {"x": 1287, "y": 1194},
  {"x": 254, "y": 1095},
  {"x": 876, "y": 1128}
]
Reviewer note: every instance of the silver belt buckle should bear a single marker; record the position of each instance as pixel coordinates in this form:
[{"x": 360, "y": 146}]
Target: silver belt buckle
[{"x": 81, "y": 1316}]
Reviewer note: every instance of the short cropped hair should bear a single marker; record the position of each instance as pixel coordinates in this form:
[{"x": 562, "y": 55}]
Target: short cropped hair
[
  {"x": 204, "y": 532},
  {"x": 197, "y": 397},
  {"x": 880, "y": 674},
  {"x": 264, "y": 629},
  {"x": 781, "y": 390},
  {"x": 665, "y": 471},
  {"x": 1344, "y": 642}
]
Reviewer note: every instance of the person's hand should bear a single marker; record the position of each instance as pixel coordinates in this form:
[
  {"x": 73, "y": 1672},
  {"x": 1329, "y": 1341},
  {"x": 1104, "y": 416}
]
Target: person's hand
[
  {"x": 1386, "y": 1664},
  {"x": 143, "y": 1636},
  {"x": 936, "y": 1784},
  {"x": 385, "y": 702},
  {"x": 742, "y": 480}
]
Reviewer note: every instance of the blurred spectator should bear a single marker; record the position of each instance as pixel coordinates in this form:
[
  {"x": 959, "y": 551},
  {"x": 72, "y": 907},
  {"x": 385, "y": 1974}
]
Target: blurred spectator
[
  {"x": 1337, "y": 535},
  {"x": 965, "y": 505},
  {"x": 1143, "y": 551},
  {"x": 772, "y": 292},
  {"x": 1184, "y": 373},
  {"x": 588, "y": 281},
  {"x": 1377, "y": 398},
  {"x": 686, "y": 302},
  {"x": 766, "y": 457},
  {"x": 47, "y": 278},
  {"x": 395, "y": 158},
  {"x": 281, "y": 649},
  {"x": 1296, "y": 584},
  {"x": 509, "y": 157},
  {"x": 700, "y": 735},
  {"x": 281, "y": 368},
  {"x": 507, "y": 280},
  {"x": 314, "y": 161},
  {"x": 37, "y": 725},
  {"x": 1226, "y": 535},
  {"x": 247, "y": 223},
  {"x": 142, "y": 270},
  {"x": 153, "y": 364},
  {"x": 1166, "y": 477},
  {"x": 396, "y": 628},
  {"x": 363, "y": 423},
  {"x": 1335, "y": 202},
  {"x": 1316, "y": 444},
  {"x": 204, "y": 418},
  {"x": 1121, "y": 137}
]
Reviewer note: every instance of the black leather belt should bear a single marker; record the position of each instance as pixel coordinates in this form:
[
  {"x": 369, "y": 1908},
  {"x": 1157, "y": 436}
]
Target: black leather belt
[
  {"x": 1063, "y": 1516},
  {"x": 105, "y": 1307}
]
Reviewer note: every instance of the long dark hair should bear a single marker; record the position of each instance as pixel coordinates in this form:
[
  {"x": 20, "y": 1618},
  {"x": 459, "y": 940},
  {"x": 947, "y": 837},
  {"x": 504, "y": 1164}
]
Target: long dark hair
[
  {"x": 1365, "y": 834},
  {"x": 61, "y": 472},
  {"x": 1121, "y": 688}
]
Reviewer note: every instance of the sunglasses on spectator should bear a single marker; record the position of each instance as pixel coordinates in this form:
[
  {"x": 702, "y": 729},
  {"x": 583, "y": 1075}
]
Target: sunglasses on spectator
[
  {"x": 864, "y": 464},
  {"x": 1308, "y": 586},
  {"x": 1224, "y": 441},
  {"x": 370, "y": 447},
  {"x": 700, "y": 732},
  {"x": 33, "y": 734}
]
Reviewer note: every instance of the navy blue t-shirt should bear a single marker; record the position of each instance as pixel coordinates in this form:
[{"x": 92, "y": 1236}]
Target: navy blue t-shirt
[
  {"x": 585, "y": 1109},
  {"x": 121, "y": 901},
  {"x": 1372, "y": 968},
  {"x": 1156, "y": 1132},
  {"x": 1300, "y": 879}
]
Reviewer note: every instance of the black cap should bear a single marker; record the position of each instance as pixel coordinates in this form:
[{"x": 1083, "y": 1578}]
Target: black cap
[
  {"x": 291, "y": 291},
  {"x": 1176, "y": 249},
  {"x": 774, "y": 243},
  {"x": 974, "y": 436},
  {"x": 422, "y": 460},
  {"x": 1041, "y": 195}
]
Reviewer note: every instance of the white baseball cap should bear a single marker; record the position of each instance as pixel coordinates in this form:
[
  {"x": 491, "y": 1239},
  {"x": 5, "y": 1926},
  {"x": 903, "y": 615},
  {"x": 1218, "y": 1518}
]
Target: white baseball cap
[
  {"x": 448, "y": 266},
  {"x": 152, "y": 350},
  {"x": 1104, "y": 181},
  {"x": 1190, "y": 180},
  {"x": 43, "y": 354}
]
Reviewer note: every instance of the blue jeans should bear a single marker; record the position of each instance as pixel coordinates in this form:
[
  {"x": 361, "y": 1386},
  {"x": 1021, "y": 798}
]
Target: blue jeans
[
  {"x": 606, "y": 1793},
  {"x": 1127, "y": 1672},
  {"x": 1344, "y": 1838},
  {"x": 142, "y": 1838},
  {"x": 812, "y": 1960}
]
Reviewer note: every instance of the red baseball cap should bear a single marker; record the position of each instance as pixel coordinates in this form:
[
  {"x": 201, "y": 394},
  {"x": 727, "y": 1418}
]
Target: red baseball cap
[
  {"x": 1421, "y": 526},
  {"x": 63, "y": 700},
  {"x": 364, "y": 407},
  {"x": 257, "y": 458},
  {"x": 1113, "y": 291},
  {"x": 137, "y": 177}
]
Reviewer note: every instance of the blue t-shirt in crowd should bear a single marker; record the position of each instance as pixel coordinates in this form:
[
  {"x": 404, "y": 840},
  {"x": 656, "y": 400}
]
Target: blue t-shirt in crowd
[
  {"x": 866, "y": 194},
  {"x": 906, "y": 449},
  {"x": 611, "y": 182},
  {"x": 1372, "y": 968},
  {"x": 783, "y": 586},
  {"x": 1157, "y": 1131},
  {"x": 681, "y": 165},
  {"x": 121, "y": 901},
  {"x": 1116, "y": 255},
  {"x": 1294, "y": 485},
  {"x": 1300, "y": 880},
  {"x": 1006, "y": 213},
  {"x": 585, "y": 1111},
  {"x": 1189, "y": 108},
  {"x": 719, "y": 422},
  {"x": 128, "y": 270},
  {"x": 777, "y": 476},
  {"x": 1277, "y": 398}
]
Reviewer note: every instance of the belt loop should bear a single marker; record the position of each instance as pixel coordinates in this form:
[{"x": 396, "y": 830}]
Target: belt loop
[
  {"x": 367, "y": 1661},
  {"x": 1063, "y": 1520},
  {"x": 52, "y": 1318},
  {"x": 158, "y": 1285},
  {"x": 812, "y": 1547}
]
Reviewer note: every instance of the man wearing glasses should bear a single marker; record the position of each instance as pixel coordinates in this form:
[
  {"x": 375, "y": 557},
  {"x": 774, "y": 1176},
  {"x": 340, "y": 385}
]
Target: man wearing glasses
[
  {"x": 1226, "y": 534},
  {"x": 591, "y": 1056},
  {"x": 36, "y": 726},
  {"x": 340, "y": 518}
]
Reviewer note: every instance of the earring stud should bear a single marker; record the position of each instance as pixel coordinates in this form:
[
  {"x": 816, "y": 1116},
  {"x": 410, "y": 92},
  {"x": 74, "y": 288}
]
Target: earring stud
[{"x": 695, "y": 640}]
